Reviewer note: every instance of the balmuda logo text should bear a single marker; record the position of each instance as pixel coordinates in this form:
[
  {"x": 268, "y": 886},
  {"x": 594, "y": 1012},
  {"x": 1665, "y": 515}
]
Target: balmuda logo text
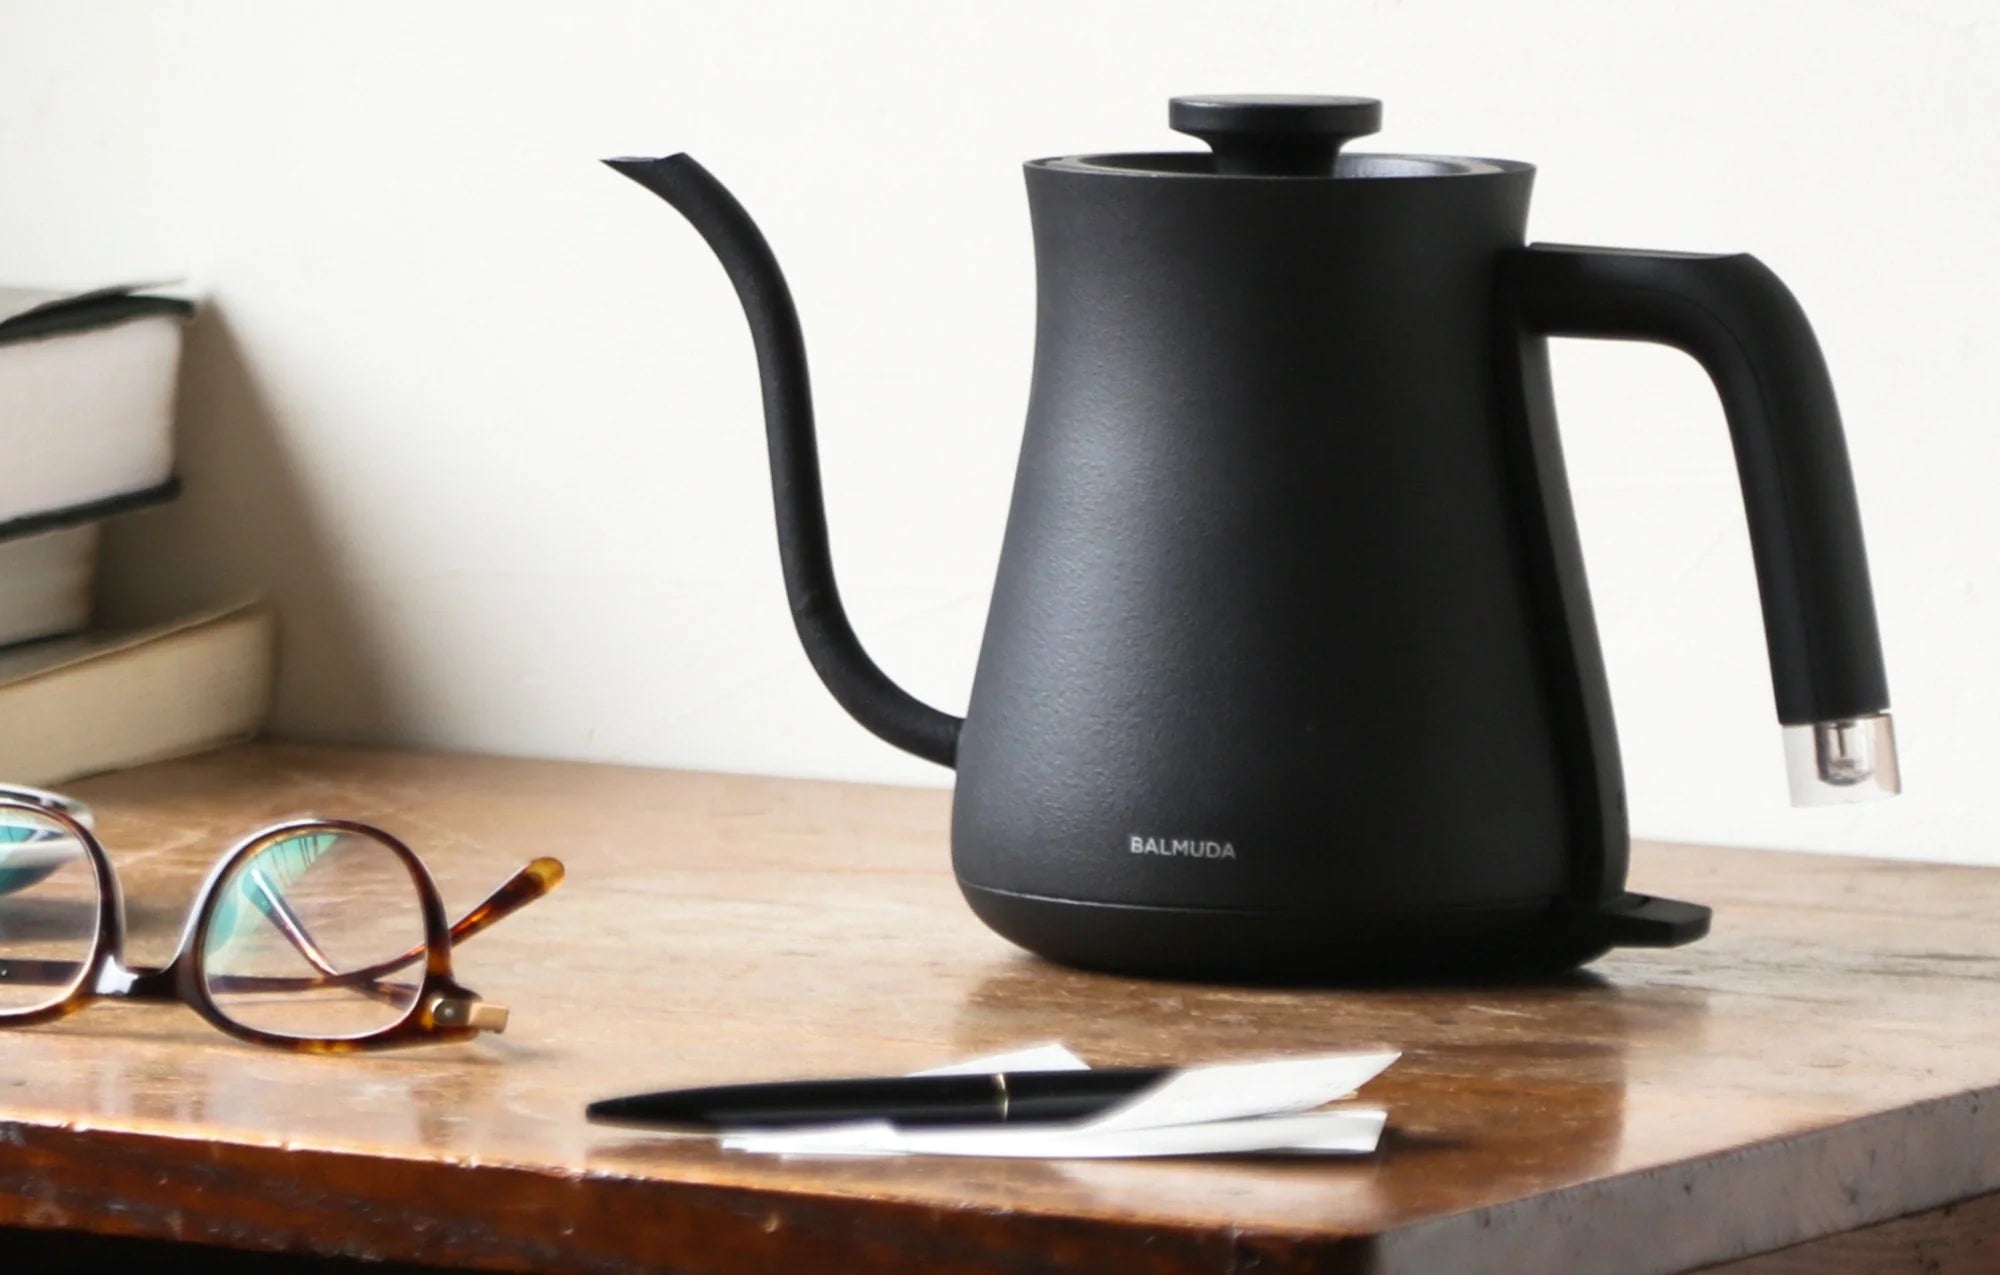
[{"x": 1183, "y": 847}]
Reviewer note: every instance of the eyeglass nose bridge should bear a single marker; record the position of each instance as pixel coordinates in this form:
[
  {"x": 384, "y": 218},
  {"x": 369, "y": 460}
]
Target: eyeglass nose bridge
[{"x": 142, "y": 984}]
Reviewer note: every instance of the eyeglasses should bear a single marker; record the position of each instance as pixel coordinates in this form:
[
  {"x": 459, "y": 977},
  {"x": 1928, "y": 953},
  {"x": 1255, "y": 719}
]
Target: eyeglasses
[{"x": 319, "y": 935}]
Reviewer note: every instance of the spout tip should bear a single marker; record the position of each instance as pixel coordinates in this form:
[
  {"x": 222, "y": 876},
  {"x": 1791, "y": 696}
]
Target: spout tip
[
  {"x": 663, "y": 176},
  {"x": 630, "y": 164}
]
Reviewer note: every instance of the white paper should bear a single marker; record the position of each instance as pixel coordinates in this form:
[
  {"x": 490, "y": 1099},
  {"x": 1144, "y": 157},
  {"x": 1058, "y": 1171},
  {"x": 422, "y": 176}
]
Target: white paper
[
  {"x": 1342, "y": 1130},
  {"x": 1227, "y": 1108},
  {"x": 1233, "y": 1091}
]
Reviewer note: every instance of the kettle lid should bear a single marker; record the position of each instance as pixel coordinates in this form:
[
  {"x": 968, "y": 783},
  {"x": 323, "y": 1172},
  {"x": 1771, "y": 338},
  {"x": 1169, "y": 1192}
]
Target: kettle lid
[
  {"x": 1274, "y": 135},
  {"x": 1263, "y": 135}
]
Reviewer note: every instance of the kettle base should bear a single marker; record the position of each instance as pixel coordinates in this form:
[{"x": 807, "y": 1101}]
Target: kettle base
[{"x": 1533, "y": 938}]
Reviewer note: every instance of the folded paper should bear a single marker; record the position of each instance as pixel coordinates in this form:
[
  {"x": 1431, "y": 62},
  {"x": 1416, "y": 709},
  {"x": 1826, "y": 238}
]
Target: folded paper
[{"x": 1221, "y": 1109}]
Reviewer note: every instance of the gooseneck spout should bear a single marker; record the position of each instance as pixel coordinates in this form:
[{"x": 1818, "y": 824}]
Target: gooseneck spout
[{"x": 835, "y": 652}]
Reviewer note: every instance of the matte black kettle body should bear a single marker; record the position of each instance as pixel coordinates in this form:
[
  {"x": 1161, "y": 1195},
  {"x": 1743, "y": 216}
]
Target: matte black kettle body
[{"x": 1290, "y": 670}]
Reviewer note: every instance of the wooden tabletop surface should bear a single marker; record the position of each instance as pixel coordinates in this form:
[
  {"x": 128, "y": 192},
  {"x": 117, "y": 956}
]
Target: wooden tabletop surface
[{"x": 1828, "y": 1059}]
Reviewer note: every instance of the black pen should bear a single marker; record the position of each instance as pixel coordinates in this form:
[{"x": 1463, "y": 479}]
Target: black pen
[{"x": 997, "y": 1098}]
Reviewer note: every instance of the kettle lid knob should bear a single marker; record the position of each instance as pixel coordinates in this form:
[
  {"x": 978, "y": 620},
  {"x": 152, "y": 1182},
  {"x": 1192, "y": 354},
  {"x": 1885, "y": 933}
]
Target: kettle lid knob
[{"x": 1274, "y": 135}]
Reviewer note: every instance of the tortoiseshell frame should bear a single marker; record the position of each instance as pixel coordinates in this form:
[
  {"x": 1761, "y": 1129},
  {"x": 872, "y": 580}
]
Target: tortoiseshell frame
[{"x": 444, "y": 1010}]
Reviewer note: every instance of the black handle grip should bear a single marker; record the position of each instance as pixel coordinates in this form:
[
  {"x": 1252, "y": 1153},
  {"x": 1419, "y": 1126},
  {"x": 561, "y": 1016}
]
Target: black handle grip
[{"x": 1743, "y": 325}]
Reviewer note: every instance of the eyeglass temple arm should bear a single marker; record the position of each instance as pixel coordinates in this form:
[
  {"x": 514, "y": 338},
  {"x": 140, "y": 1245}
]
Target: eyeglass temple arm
[
  {"x": 270, "y": 905},
  {"x": 534, "y": 880},
  {"x": 40, "y": 971},
  {"x": 280, "y": 914},
  {"x": 151, "y": 983},
  {"x": 155, "y": 983}
]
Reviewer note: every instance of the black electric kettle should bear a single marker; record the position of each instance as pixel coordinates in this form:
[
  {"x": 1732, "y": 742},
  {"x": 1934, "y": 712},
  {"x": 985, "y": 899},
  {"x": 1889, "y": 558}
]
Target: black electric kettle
[{"x": 1290, "y": 670}]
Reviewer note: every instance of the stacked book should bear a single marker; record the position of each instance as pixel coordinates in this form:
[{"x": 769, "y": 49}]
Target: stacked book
[{"x": 86, "y": 433}]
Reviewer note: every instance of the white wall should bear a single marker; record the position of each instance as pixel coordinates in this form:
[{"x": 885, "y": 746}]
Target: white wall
[{"x": 482, "y": 415}]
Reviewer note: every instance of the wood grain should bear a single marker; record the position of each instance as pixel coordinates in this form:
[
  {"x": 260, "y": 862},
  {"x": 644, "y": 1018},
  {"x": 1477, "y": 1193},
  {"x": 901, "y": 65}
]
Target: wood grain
[
  {"x": 1958, "y": 1239},
  {"x": 1824, "y": 1061}
]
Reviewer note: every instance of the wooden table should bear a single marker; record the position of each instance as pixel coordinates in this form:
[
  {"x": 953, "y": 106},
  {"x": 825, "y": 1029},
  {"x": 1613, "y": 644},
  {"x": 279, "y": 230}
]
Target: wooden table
[{"x": 1814, "y": 1087}]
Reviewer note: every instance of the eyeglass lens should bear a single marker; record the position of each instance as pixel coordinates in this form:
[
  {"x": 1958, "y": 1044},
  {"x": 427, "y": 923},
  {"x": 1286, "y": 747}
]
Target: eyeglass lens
[
  {"x": 48, "y": 911},
  {"x": 307, "y": 936}
]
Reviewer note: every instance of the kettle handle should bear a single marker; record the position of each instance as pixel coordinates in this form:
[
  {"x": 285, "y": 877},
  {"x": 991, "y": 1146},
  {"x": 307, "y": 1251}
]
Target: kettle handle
[{"x": 1745, "y": 328}]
